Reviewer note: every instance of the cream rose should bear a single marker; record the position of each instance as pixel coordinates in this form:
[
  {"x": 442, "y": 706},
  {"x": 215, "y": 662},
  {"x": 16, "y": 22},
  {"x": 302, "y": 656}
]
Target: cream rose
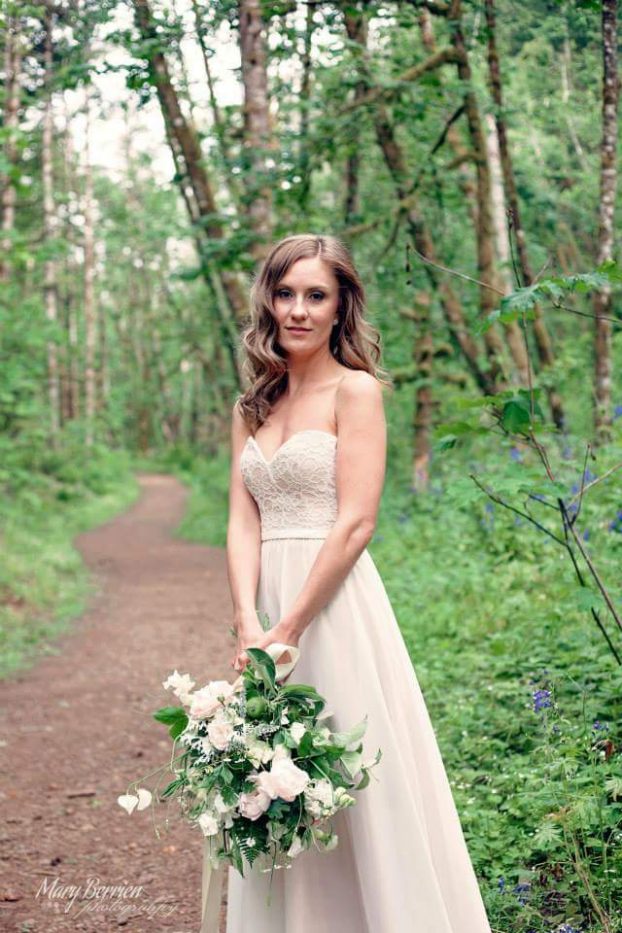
[
  {"x": 254, "y": 804},
  {"x": 219, "y": 733},
  {"x": 207, "y": 700},
  {"x": 285, "y": 780}
]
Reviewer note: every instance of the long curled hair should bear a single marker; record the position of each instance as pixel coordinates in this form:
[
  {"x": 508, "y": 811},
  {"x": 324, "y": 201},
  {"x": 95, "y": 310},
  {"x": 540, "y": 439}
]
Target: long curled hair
[{"x": 354, "y": 341}]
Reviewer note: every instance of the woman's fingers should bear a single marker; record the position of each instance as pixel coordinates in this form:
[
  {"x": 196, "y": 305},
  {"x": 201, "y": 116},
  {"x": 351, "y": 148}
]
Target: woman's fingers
[{"x": 240, "y": 661}]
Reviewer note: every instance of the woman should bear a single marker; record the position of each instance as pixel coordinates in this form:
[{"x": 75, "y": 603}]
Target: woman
[{"x": 308, "y": 463}]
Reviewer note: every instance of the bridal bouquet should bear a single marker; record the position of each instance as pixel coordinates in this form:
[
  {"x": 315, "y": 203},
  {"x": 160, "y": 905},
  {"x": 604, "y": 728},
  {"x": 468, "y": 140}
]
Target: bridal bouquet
[{"x": 260, "y": 773}]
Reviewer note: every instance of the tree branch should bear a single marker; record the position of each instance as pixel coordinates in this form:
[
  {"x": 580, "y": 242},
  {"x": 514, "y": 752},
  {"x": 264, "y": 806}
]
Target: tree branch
[{"x": 443, "y": 57}]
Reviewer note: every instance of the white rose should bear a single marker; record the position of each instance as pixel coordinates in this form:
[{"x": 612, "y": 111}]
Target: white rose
[
  {"x": 285, "y": 779},
  {"x": 254, "y": 804},
  {"x": 208, "y": 823},
  {"x": 207, "y": 700},
  {"x": 219, "y": 732}
]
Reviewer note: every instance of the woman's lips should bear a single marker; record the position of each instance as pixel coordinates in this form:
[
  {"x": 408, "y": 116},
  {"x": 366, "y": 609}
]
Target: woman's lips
[{"x": 298, "y": 330}]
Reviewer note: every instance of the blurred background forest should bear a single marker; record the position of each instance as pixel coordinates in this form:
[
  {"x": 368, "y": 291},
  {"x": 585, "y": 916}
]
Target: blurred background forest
[{"x": 466, "y": 152}]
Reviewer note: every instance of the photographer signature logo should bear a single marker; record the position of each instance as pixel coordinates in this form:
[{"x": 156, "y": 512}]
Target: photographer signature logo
[{"x": 94, "y": 896}]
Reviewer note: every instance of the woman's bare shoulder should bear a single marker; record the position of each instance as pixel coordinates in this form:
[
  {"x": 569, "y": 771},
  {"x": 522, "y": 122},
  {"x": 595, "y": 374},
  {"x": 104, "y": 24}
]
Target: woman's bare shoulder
[{"x": 357, "y": 381}]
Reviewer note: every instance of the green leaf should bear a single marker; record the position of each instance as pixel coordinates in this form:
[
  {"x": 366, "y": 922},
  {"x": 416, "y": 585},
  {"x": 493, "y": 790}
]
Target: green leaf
[
  {"x": 352, "y": 762},
  {"x": 299, "y": 691},
  {"x": 612, "y": 270},
  {"x": 305, "y": 746},
  {"x": 263, "y": 665},
  {"x": 444, "y": 443},
  {"x": 173, "y": 716},
  {"x": 516, "y": 414},
  {"x": 171, "y": 788},
  {"x": 353, "y": 736}
]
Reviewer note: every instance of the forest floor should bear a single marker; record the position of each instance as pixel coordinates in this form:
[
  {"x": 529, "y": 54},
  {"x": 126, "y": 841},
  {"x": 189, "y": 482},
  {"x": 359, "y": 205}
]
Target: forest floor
[{"x": 78, "y": 727}]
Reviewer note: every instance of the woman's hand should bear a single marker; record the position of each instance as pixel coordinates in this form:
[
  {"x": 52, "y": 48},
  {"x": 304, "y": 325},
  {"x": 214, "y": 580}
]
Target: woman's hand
[
  {"x": 249, "y": 633},
  {"x": 278, "y": 633}
]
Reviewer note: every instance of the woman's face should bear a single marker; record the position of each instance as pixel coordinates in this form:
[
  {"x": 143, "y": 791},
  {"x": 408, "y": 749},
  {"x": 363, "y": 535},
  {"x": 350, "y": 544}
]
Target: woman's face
[{"x": 307, "y": 297}]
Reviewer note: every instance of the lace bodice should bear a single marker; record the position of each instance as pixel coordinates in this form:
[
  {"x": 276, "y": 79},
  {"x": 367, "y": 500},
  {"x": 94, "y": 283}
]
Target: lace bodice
[{"x": 295, "y": 489}]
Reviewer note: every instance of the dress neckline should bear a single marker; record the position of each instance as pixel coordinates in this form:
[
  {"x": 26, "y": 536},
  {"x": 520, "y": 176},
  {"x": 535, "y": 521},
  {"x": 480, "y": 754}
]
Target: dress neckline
[{"x": 285, "y": 442}]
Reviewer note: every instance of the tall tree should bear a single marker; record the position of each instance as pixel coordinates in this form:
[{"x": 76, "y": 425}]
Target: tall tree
[
  {"x": 90, "y": 306},
  {"x": 484, "y": 230},
  {"x": 541, "y": 335},
  {"x": 196, "y": 185},
  {"x": 12, "y": 72},
  {"x": 608, "y": 184},
  {"x": 50, "y": 288},
  {"x": 258, "y": 142}
]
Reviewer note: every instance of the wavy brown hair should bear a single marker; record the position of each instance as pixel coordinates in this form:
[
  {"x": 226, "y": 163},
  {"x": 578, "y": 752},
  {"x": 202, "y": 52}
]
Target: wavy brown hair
[{"x": 354, "y": 341}]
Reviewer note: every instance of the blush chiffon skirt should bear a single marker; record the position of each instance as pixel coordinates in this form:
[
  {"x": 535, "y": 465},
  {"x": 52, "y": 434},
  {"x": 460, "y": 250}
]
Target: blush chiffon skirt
[{"x": 401, "y": 864}]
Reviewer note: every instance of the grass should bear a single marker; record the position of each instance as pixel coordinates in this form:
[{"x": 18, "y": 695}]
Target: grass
[{"x": 44, "y": 585}]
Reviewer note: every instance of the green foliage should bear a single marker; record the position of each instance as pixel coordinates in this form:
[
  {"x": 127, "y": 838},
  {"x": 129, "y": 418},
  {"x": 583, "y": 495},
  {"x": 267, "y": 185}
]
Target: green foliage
[
  {"x": 48, "y": 498},
  {"x": 173, "y": 716},
  {"x": 521, "y": 302}
]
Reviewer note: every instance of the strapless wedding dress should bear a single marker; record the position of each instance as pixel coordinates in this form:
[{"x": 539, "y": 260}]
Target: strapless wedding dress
[{"x": 401, "y": 864}]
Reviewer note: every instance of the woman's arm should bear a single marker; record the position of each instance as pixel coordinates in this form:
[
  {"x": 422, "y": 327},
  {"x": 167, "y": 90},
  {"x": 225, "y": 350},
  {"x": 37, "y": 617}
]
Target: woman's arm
[
  {"x": 243, "y": 538},
  {"x": 361, "y": 456}
]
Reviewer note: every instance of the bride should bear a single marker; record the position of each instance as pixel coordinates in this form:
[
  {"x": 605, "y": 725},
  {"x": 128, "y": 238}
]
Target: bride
[{"x": 308, "y": 443}]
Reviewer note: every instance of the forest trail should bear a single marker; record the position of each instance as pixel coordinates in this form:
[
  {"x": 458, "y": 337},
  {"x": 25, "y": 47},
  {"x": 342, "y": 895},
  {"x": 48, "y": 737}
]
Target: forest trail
[{"x": 78, "y": 727}]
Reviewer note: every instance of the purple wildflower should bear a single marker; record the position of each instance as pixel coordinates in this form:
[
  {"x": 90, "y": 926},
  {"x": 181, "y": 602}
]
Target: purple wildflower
[
  {"x": 541, "y": 700},
  {"x": 600, "y": 725},
  {"x": 616, "y": 523}
]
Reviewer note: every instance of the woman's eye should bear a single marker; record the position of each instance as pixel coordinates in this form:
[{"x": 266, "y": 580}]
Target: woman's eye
[{"x": 285, "y": 293}]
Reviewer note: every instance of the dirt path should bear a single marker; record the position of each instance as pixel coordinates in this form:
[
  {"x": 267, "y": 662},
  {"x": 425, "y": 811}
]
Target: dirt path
[{"x": 77, "y": 728}]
